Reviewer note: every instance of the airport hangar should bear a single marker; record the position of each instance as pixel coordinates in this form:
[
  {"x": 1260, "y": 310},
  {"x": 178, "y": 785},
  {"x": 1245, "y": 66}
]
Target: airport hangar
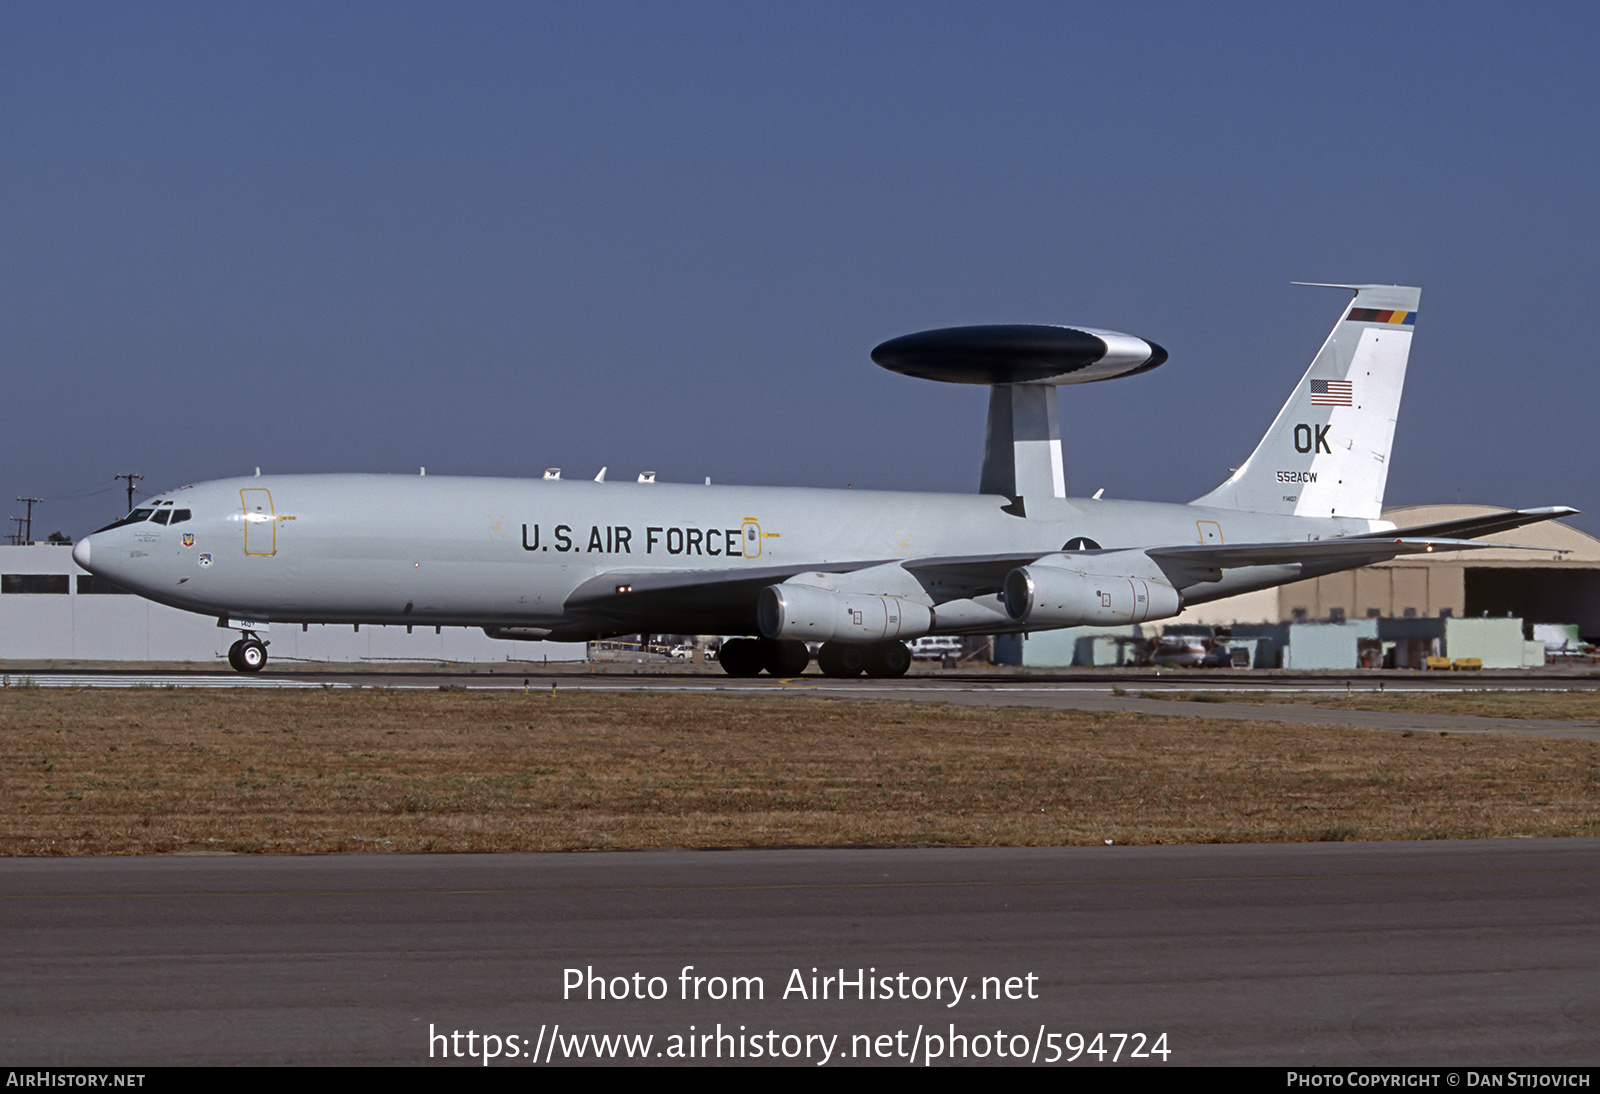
[{"x": 50, "y": 610}]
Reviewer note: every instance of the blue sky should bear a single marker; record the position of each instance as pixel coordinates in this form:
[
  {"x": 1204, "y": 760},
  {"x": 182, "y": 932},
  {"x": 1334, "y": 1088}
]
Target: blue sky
[{"x": 491, "y": 239}]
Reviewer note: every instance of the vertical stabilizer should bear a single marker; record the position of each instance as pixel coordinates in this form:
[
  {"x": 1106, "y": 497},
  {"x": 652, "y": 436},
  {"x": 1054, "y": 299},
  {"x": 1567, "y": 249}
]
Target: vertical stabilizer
[
  {"x": 1327, "y": 453},
  {"x": 1022, "y": 444}
]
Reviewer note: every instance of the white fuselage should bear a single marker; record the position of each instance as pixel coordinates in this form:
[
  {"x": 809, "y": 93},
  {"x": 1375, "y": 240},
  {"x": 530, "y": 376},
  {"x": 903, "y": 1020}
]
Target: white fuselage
[{"x": 511, "y": 553}]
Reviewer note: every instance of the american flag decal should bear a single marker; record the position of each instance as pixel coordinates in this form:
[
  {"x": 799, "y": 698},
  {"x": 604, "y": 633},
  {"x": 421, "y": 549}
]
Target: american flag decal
[{"x": 1332, "y": 393}]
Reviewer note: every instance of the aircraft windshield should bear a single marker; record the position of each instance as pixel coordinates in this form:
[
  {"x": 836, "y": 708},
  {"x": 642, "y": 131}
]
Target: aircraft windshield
[{"x": 132, "y": 518}]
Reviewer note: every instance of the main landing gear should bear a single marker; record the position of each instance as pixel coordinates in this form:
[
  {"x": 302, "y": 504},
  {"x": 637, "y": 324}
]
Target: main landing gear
[
  {"x": 249, "y": 654},
  {"x": 753, "y": 656},
  {"x": 880, "y": 659},
  {"x": 789, "y": 657}
]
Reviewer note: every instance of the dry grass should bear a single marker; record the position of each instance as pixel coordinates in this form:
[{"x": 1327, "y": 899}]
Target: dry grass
[
  {"x": 1573, "y": 706},
  {"x": 142, "y": 771}
]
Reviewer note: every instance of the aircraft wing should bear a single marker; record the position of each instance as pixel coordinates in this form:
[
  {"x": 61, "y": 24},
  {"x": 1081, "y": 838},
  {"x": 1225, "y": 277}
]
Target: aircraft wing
[
  {"x": 1192, "y": 564},
  {"x": 624, "y": 599},
  {"x": 955, "y": 577},
  {"x": 713, "y": 601},
  {"x": 1468, "y": 527},
  {"x": 623, "y": 595}
]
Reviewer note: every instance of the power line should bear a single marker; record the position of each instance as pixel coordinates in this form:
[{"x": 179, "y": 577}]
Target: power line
[{"x": 81, "y": 494}]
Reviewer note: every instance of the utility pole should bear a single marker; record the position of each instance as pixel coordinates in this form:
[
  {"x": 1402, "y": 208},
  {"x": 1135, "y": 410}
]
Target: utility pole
[
  {"x": 16, "y": 537},
  {"x": 130, "y": 479},
  {"x": 27, "y": 536}
]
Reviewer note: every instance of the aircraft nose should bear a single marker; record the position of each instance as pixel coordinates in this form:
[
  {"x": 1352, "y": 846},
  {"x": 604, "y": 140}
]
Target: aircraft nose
[{"x": 80, "y": 553}]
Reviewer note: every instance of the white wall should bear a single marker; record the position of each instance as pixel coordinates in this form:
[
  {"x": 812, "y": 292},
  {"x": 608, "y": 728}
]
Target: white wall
[{"x": 111, "y": 627}]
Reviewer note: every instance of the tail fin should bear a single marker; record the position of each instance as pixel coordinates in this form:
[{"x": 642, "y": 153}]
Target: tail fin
[{"x": 1327, "y": 453}]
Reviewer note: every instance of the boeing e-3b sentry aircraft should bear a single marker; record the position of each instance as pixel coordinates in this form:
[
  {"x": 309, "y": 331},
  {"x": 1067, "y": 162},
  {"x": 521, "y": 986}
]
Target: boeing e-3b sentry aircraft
[{"x": 858, "y": 571}]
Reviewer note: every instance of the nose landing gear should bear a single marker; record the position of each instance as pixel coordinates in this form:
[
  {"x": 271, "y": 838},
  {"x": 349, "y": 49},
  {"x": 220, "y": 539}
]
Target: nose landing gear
[{"x": 249, "y": 654}]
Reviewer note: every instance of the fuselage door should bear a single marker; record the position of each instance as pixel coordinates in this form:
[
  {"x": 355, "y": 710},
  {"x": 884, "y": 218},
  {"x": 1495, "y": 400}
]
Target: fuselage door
[
  {"x": 750, "y": 539},
  {"x": 1210, "y": 532},
  {"x": 260, "y": 529}
]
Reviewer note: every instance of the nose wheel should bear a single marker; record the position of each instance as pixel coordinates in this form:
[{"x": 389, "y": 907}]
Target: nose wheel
[{"x": 249, "y": 654}]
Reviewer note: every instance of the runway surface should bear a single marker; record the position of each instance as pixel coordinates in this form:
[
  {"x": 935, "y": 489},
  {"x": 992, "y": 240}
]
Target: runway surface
[
  {"x": 1340, "y": 954},
  {"x": 1066, "y": 692}
]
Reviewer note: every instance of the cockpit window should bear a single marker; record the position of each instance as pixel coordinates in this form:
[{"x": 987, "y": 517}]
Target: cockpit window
[
  {"x": 132, "y": 518},
  {"x": 162, "y": 516},
  {"x": 179, "y": 516}
]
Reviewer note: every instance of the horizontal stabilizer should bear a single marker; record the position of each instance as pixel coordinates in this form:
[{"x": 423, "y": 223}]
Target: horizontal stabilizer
[{"x": 1487, "y": 525}]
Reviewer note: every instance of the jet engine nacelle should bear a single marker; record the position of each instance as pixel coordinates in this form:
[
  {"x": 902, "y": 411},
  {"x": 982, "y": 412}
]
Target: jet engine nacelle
[
  {"x": 1050, "y": 594},
  {"x": 820, "y": 615}
]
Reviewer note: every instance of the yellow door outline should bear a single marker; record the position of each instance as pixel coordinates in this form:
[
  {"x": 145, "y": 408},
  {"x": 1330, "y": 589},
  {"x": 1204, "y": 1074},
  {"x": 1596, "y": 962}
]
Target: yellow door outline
[
  {"x": 750, "y": 538},
  {"x": 260, "y": 527}
]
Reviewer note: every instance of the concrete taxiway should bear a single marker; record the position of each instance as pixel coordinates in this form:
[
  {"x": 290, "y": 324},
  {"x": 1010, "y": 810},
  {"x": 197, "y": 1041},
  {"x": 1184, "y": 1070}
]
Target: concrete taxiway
[
  {"x": 1146, "y": 693},
  {"x": 1339, "y": 954}
]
